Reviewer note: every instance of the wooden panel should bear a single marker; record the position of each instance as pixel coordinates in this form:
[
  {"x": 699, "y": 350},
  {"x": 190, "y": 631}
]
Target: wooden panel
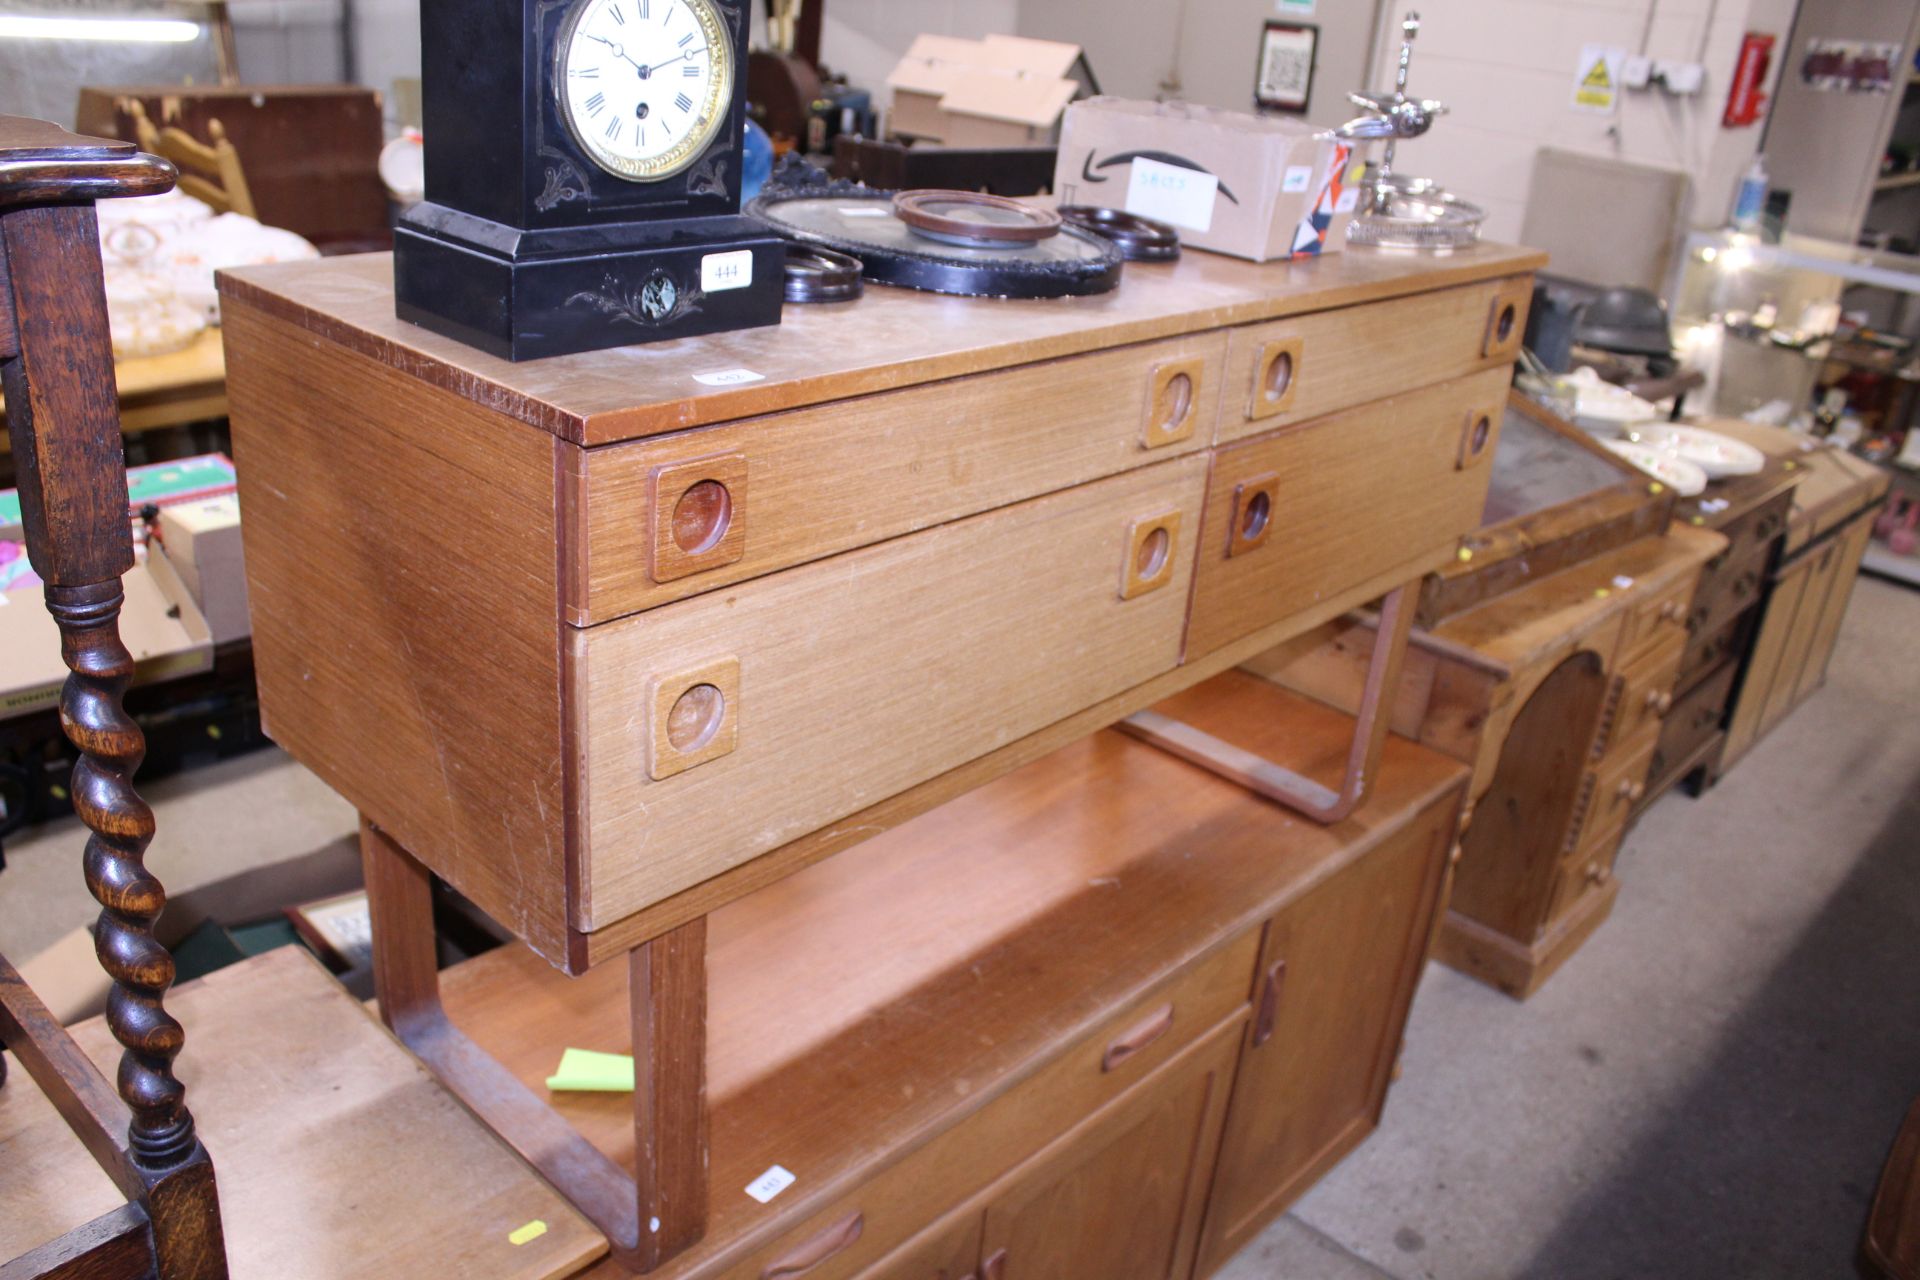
[
  {"x": 1520, "y": 825},
  {"x": 894, "y": 338},
  {"x": 845, "y": 475},
  {"x": 949, "y": 1250},
  {"x": 1121, "y": 1196},
  {"x": 1308, "y": 366},
  {"x": 1763, "y": 668},
  {"x": 1785, "y": 694},
  {"x": 338, "y": 1154},
  {"x": 1358, "y": 492},
  {"x": 1853, "y": 545},
  {"x": 409, "y": 661},
  {"x": 852, "y": 685},
  {"x": 1340, "y": 965}
]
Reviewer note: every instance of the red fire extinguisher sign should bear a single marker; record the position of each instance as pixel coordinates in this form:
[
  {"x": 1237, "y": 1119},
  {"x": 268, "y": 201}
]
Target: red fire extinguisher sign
[{"x": 1746, "y": 102}]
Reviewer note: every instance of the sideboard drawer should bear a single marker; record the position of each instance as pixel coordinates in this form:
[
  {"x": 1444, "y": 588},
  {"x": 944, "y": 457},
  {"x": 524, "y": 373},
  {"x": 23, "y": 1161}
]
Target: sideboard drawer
[
  {"x": 769, "y": 493},
  {"x": 895, "y": 1205},
  {"x": 1302, "y": 514},
  {"x": 1619, "y": 783},
  {"x": 1646, "y": 694},
  {"x": 1304, "y": 366},
  {"x": 1657, "y": 621},
  {"x": 715, "y": 729}
]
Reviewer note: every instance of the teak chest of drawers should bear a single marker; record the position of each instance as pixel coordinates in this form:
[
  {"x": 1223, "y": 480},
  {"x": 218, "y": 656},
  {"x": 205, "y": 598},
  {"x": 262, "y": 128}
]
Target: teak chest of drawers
[{"x": 609, "y": 641}]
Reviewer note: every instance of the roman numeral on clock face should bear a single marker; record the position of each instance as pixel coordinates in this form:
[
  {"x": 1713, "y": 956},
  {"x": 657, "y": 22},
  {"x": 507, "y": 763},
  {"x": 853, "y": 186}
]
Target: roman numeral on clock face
[
  {"x": 690, "y": 71},
  {"x": 683, "y": 102},
  {"x": 686, "y": 39},
  {"x": 596, "y": 104},
  {"x": 613, "y": 128},
  {"x": 618, "y": 17}
]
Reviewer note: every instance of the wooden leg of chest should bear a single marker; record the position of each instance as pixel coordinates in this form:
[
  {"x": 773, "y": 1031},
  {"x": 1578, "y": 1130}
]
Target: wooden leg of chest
[
  {"x": 649, "y": 1217},
  {"x": 1262, "y": 776}
]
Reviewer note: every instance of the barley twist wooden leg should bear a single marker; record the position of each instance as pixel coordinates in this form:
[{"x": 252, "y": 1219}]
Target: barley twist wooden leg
[{"x": 111, "y": 747}]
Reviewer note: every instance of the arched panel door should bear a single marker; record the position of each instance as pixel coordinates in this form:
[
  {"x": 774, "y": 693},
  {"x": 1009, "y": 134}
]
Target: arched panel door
[{"x": 1512, "y": 848}]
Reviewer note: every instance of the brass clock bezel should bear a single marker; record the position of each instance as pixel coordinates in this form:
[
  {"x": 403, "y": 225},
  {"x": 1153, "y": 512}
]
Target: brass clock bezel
[{"x": 697, "y": 143}]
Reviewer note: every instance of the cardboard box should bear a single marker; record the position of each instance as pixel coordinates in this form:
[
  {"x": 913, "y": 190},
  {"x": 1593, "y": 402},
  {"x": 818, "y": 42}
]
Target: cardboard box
[
  {"x": 1003, "y": 91},
  {"x": 1258, "y": 187},
  {"x": 202, "y": 541},
  {"x": 161, "y": 625}
]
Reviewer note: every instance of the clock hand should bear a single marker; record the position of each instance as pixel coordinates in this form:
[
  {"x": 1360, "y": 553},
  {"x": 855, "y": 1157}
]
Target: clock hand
[
  {"x": 681, "y": 58},
  {"x": 619, "y": 51}
]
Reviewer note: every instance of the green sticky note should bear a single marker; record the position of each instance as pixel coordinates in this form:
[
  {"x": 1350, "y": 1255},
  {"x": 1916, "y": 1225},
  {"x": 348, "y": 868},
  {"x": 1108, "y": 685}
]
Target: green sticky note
[{"x": 584, "y": 1071}]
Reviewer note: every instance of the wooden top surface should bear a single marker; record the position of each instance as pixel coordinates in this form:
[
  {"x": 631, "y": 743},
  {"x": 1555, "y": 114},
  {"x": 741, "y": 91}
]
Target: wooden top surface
[
  {"x": 1725, "y": 501},
  {"x": 1833, "y": 484},
  {"x": 889, "y": 338},
  {"x": 1516, "y": 629},
  {"x": 336, "y": 1153},
  {"x": 876, "y": 997}
]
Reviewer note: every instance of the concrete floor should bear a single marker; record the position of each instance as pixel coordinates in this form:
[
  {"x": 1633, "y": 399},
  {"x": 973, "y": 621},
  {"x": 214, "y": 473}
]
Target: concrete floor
[{"x": 1706, "y": 1090}]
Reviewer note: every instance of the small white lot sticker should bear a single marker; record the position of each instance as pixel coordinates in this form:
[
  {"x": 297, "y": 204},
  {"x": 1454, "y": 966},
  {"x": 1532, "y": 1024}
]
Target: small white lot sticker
[
  {"x": 770, "y": 1184},
  {"x": 1299, "y": 177},
  {"x": 722, "y": 271},
  {"x": 729, "y": 378}
]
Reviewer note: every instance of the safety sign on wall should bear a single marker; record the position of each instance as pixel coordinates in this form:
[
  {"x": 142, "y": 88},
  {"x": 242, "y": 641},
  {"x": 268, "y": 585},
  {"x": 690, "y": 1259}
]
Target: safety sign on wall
[{"x": 1596, "y": 83}]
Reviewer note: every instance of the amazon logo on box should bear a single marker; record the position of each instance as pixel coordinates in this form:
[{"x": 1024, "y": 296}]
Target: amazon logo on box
[{"x": 1256, "y": 187}]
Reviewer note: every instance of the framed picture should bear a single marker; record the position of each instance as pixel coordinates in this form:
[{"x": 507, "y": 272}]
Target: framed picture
[{"x": 1284, "y": 79}]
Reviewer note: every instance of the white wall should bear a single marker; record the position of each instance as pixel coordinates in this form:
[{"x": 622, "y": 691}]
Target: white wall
[
  {"x": 1204, "y": 50},
  {"x": 865, "y": 38},
  {"x": 1506, "y": 69}
]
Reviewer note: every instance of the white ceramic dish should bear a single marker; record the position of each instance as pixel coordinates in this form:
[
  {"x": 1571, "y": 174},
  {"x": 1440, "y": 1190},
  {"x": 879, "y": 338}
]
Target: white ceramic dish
[
  {"x": 1683, "y": 477},
  {"x": 1717, "y": 455},
  {"x": 1605, "y": 409}
]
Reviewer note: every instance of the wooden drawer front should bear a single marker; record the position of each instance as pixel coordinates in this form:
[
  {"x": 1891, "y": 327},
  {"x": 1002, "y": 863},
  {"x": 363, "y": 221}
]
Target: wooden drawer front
[
  {"x": 1694, "y": 719},
  {"x": 816, "y": 692},
  {"x": 1346, "y": 498},
  {"x": 1306, "y": 366},
  {"x": 1618, "y": 785},
  {"x": 1656, "y": 621},
  {"x": 897, "y": 1205},
  {"x": 1728, "y": 587},
  {"x": 814, "y": 482},
  {"x": 1723, "y": 645},
  {"x": 1588, "y": 869},
  {"x": 1758, "y": 530},
  {"x": 1646, "y": 693}
]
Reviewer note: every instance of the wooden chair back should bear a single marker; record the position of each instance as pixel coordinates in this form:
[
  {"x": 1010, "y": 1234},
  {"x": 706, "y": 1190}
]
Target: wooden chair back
[
  {"x": 209, "y": 171},
  {"x": 56, "y": 365}
]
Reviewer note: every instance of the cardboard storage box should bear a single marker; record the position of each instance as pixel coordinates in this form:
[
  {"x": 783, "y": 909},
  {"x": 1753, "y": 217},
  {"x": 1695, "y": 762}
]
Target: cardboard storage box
[
  {"x": 1003, "y": 91},
  {"x": 1258, "y": 187},
  {"x": 163, "y": 484},
  {"x": 162, "y": 627},
  {"x": 203, "y": 544}
]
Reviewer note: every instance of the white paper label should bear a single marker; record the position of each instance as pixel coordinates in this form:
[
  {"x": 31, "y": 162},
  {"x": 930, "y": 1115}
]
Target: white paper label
[
  {"x": 729, "y": 378},
  {"x": 864, "y": 213},
  {"x": 722, "y": 271},
  {"x": 1172, "y": 194},
  {"x": 770, "y": 1184},
  {"x": 1298, "y": 176},
  {"x": 1349, "y": 201}
]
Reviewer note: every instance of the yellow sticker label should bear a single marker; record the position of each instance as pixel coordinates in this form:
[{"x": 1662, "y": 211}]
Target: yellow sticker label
[
  {"x": 1699, "y": 519},
  {"x": 1466, "y": 554},
  {"x": 1656, "y": 488},
  {"x": 527, "y": 1234},
  {"x": 1601, "y": 593}
]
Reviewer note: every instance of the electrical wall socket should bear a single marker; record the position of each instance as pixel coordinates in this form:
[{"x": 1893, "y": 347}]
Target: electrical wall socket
[
  {"x": 1680, "y": 77},
  {"x": 1636, "y": 72}
]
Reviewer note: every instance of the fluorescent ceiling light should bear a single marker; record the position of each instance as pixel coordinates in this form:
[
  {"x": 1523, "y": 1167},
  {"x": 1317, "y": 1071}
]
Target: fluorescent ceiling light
[{"x": 125, "y": 30}]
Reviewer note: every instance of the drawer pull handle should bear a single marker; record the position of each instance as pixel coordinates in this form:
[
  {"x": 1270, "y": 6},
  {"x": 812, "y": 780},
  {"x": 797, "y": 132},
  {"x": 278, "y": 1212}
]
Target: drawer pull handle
[
  {"x": 1155, "y": 1025},
  {"x": 1596, "y": 874},
  {"x": 1268, "y": 1014},
  {"x": 1276, "y": 377},
  {"x": 1659, "y": 702},
  {"x": 809, "y": 1254},
  {"x": 995, "y": 1268},
  {"x": 1631, "y": 791},
  {"x": 1672, "y": 611}
]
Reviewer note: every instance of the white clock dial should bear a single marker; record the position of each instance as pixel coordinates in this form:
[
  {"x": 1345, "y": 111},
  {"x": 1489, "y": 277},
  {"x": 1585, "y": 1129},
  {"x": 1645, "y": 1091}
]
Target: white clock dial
[{"x": 645, "y": 85}]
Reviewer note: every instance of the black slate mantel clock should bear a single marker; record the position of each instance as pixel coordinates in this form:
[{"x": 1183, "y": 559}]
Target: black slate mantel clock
[{"x": 583, "y": 177}]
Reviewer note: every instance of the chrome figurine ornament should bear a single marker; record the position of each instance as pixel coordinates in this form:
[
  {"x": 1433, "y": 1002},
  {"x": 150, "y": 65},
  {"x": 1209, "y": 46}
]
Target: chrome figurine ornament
[{"x": 1398, "y": 212}]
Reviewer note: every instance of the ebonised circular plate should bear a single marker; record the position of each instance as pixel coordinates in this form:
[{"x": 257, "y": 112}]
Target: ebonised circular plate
[
  {"x": 815, "y": 274},
  {"x": 974, "y": 219},
  {"x": 1139, "y": 239},
  {"x": 861, "y": 222}
]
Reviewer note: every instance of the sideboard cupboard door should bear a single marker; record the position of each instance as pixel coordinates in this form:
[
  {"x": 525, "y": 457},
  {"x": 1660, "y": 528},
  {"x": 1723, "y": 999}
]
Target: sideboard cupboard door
[
  {"x": 1785, "y": 696},
  {"x": 1341, "y": 964},
  {"x": 1852, "y": 546},
  {"x": 1764, "y": 666},
  {"x": 714, "y": 729},
  {"x": 1119, "y": 1197}
]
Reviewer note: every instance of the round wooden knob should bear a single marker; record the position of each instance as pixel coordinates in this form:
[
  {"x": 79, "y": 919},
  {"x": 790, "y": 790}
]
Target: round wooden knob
[
  {"x": 1672, "y": 611},
  {"x": 1455, "y": 854},
  {"x": 1596, "y": 873},
  {"x": 1632, "y": 791},
  {"x": 1659, "y": 703}
]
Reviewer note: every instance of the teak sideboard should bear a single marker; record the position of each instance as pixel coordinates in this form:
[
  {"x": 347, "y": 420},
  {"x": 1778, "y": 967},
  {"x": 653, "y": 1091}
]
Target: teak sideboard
[{"x": 609, "y": 642}]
